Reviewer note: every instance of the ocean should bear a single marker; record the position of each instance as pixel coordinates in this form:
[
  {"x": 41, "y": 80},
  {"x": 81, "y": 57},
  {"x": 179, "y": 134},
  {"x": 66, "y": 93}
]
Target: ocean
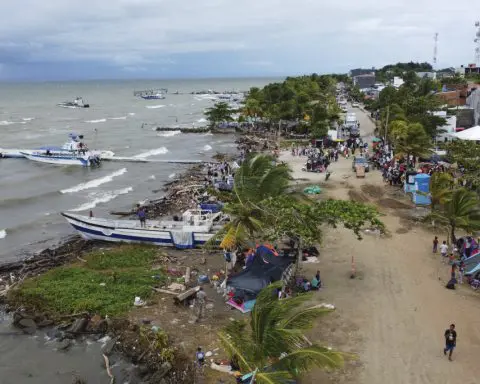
[{"x": 32, "y": 195}]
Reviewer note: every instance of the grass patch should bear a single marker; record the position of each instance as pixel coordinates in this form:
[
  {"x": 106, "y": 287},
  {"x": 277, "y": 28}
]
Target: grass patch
[{"x": 107, "y": 284}]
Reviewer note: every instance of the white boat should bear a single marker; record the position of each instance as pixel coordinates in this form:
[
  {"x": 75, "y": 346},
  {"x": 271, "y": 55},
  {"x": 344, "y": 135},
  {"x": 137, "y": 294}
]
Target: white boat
[
  {"x": 195, "y": 228},
  {"x": 84, "y": 159},
  {"x": 77, "y": 103},
  {"x": 70, "y": 146},
  {"x": 151, "y": 94}
]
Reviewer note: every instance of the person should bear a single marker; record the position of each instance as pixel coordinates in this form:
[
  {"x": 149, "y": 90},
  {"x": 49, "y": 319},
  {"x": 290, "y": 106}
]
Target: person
[
  {"x": 444, "y": 251},
  {"x": 201, "y": 301},
  {"x": 435, "y": 244},
  {"x": 461, "y": 272},
  {"x": 200, "y": 356},
  {"x": 450, "y": 341},
  {"x": 142, "y": 216}
]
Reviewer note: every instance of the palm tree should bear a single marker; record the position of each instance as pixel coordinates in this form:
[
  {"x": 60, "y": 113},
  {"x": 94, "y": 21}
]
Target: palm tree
[
  {"x": 441, "y": 188},
  {"x": 258, "y": 179},
  {"x": 219, "y": 113},
  {"x": 273, "y": 344},
  {"x": 460, "y": 211},
  {"x": 410, "y": 139}
]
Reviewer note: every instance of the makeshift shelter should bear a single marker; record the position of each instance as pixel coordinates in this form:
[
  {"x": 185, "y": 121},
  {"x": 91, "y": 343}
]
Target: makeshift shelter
[
  {"x": 468, "y": 134},
  {"x": 265, "y": 268},
  {"x": 421, "y": 195}
]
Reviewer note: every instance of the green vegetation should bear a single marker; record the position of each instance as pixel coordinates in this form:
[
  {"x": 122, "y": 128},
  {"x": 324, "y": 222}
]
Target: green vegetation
[
  {"x": 307, "y": 99},
  {"x": 106, "y": 284},
  {"x": 273, "y": 341},
  {"x": 219, "y": 113},
  {"x": 466, "y": 154},
  {"x": 389, "y": 71},
  {"x": 265, "y": 208}
]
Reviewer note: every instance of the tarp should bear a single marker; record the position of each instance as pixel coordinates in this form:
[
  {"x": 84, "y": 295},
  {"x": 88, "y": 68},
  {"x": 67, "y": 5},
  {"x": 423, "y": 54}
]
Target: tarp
[
  {"x": 266, "y": 267},
  {"x": 468, "y": 134}
]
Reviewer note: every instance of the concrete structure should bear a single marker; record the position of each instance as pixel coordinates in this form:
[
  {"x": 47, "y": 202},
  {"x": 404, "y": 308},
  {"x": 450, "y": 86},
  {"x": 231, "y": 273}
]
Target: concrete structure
[
  {"x": 397, "y": 82},
  {"x": 364, "y": 81},
  {"x": 429, "y": 75},
  {"x": 473, "y": 102},
  {"x": 448, "y": 128},
  {"x": 469, "y": 69},
  {"x": 360, "y": 71}
]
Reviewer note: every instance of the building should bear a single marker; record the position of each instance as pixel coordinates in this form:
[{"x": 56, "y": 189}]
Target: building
[
  {"x": 473, "y": 102},
  {"x": 360, "y": 71},
  {"x": 470, "y": 69},
  {"x": 397, "y": 82},
  {"x": 454, "y": 97},
  {"x": 449, "y": 128},
  {"x": 427, "y": 75},
  {"x": 364, "y": 81}
]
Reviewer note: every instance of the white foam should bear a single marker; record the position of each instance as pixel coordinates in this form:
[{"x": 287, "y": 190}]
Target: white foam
[
  {"x": 95, "y": 182},
  {"x": 152, "y": 152},
  {"x": 101, "y": 197},
  {"x": 155, "y": 106},
  {"x": 152, "y": 177},
  {"x": 27, "y": 118},
  {"x": 131, "y": 114},
  {"x": 118, "y": 118},
  {"x": 207, "y": 147},
  {"x": 208, "y": 134},
  {"x": 3, "y": 233},
  {"x": 6, "y": 122},
  {"x": 96, "y": 121},
  {"x": 169, "y": 133},
  {"x": 202, "y": 120},
  {"x": 172, "y": 175}
]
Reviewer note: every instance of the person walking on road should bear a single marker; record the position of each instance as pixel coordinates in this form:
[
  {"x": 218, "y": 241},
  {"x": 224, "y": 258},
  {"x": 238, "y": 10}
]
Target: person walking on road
[
  {"x": 435, "y": 244},
  {"x": 450, "y": 341},
  {"x": 444, "y": 251}
]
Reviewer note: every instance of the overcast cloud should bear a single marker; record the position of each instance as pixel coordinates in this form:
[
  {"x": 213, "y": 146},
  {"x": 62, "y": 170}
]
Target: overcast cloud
[{"x": 189, "y": 38}]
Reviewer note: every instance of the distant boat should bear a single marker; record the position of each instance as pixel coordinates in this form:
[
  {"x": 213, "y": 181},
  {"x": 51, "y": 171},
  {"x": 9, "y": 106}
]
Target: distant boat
[
  {"x": 194, "y": 229},
  {"x": 77, "y": 103},
  {"x": 151, "y": 94}
]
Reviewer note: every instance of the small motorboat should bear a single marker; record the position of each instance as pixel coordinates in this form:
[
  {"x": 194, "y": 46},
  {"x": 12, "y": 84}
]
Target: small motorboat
[
  {"x": 77, "y": 103},
  {"x": 82, "y": 158},
  {"x": 74, "y": 144},
  {"x": 193, "y": 229}
]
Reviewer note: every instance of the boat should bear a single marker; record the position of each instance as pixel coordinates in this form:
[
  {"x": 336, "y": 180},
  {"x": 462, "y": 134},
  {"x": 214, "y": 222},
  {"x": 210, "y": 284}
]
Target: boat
[
  {"x": 77, "y": 103},
  {"x": 193, "y": 229},
  {"x": 151, "y": 94},
  {"x": 73, "y": 144},
  {"x": 82, "y": 158}
]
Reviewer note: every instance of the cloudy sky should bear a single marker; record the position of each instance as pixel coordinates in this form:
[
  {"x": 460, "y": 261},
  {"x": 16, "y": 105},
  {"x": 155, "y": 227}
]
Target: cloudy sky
[{"x": 81, "y": 39}]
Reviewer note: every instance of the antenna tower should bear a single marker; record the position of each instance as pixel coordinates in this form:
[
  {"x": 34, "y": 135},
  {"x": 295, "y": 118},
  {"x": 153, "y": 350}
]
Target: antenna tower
[
  {"x": 477, "y": 43},
  {"x": 435, "y": 48}
]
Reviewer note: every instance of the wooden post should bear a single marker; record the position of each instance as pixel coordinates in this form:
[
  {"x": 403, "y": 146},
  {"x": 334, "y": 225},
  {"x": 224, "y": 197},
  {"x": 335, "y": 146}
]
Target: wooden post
[{"x": 353, "y": 272}]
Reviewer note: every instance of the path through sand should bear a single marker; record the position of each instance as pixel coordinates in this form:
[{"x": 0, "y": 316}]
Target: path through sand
[{"x": 393, "y": 315}]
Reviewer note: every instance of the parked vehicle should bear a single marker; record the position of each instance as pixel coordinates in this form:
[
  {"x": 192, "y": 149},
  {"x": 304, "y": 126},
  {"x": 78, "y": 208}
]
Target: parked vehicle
[
  {"x": 362, "y": 161},
  {"x": 355, "y": 104}
]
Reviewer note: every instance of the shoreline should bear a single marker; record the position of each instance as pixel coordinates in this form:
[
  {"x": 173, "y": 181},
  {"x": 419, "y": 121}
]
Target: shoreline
[{"x": 72, "y": 249}]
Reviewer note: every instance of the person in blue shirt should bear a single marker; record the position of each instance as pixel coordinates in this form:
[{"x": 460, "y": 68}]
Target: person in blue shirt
[{"x": 200, "y": 357}]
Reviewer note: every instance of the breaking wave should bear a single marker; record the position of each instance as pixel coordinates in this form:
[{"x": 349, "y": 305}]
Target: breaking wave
[
  {"x": 152, "y": 152},
  {"x": 118, "y": 118},
  {"x": 6, "y": 122},
  {"x": 172, "y": 175},
  {"x": 96, "y": 121},
  {"x": 101, "y": 197},
  {"x": 3, "y": 233},
  {"x": 95, "y": 182},
  {"x": 207, "y": 147},
  {"x": 169, "y": 133},
  {"x": 155, "y": 106}
]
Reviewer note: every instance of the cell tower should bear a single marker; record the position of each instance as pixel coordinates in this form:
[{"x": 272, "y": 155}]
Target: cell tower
[
  {"x": 477, "y": 43},
  {"x": 435, "y": 49}
]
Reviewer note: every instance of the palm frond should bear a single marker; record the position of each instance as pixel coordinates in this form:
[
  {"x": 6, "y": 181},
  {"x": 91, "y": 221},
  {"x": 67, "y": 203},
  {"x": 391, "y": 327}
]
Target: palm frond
[
  {"x": 303, "y": 318},
  {"x": 301, "y": 360},
  {"x": 275, "y": 377},
  {"x": 236, "y": 348}
]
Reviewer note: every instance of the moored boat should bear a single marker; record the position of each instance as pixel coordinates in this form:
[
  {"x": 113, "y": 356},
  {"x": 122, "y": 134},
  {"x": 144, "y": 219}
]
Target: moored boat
[
  {"x": 193, "y": 229},
  {"x": 151, "y": 94},
  {"x": 84, "y": 159}
]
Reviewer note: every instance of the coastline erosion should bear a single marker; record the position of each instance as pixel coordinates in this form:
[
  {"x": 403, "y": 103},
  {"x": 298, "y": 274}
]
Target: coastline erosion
[{"x": 35, "y": 291}]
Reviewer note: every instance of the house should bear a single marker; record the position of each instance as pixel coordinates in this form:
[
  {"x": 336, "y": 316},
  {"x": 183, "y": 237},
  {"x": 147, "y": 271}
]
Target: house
[
  {"x": 364, "y": 81},
  {"x": 454, "y": 96},
  {"x": 449, "y": 128},
  {"x": 467, "y": 70},
  {"x": 427, "y": 75},
  {"x": 397, "y": 82}
]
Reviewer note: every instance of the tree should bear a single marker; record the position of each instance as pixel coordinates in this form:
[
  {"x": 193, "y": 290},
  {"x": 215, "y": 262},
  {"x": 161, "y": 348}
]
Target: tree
[
  {"x": 441, "y": 189},
  {"x": 466, "y": 154},
  {"x": 410, "y": 139},
  {"x": 460, "y": 211},
  {"x": 273, "y": 343},
  {"x": 219, "y": 113}
]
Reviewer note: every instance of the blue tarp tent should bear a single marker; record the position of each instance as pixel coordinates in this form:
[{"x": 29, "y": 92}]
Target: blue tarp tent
[{"x": 421, "y": 195}]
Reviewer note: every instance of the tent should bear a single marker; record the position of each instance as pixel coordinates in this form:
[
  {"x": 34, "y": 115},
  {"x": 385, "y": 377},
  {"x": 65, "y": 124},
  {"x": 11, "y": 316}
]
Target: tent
[
  {"x": 468, "y": 134},
  {"x": 267, "y": 267}
]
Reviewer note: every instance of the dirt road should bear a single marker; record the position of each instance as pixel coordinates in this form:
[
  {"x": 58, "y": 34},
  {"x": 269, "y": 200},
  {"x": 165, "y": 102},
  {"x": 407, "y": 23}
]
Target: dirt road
[{"x": 394, "y": 314}]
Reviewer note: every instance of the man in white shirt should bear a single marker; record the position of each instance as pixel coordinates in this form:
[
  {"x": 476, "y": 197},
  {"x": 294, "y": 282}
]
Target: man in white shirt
[{"x": 444, "y": 251}]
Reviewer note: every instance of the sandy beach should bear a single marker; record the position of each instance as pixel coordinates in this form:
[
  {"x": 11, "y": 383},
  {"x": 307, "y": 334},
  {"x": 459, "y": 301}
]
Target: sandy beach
[{"x": 392, "y": 316}]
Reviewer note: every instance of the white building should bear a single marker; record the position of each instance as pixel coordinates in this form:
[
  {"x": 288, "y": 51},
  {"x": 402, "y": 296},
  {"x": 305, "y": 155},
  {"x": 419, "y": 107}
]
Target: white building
[
  {"x": 397, "y": 82},
  {"x": 448, "y": 128}
]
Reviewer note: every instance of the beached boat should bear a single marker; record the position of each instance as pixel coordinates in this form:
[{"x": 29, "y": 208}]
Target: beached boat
[
  {"x": 72, "y": 145},
  {"x": 84, "y": 159},
  {"x": 77, "y": 103},
  {"x": 194, "y": 228},
  {"x": 151, "y": 94}
]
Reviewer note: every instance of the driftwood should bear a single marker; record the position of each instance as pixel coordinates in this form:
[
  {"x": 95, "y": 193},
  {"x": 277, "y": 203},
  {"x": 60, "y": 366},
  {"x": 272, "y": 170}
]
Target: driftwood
[
  {"x": 180, "y": 298},
  {"x": 107, "y": 366},
  {"x": 164, "y": 291}
]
